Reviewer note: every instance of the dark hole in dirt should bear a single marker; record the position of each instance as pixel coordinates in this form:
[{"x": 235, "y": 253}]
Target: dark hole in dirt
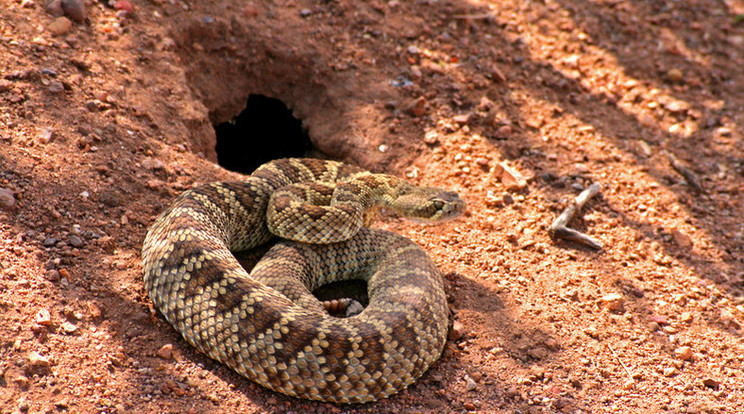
[
  {"x": 355, "y": 289},
  {"x": 264, "y": 131}
]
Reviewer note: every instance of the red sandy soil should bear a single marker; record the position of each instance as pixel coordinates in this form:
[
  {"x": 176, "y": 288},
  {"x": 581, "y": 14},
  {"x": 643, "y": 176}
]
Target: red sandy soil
[{"x": 103, "y": 124}]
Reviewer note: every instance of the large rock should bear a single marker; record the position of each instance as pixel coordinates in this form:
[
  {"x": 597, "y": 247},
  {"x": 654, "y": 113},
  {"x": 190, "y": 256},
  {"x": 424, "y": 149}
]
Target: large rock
[{"x": 7, "y": 199}]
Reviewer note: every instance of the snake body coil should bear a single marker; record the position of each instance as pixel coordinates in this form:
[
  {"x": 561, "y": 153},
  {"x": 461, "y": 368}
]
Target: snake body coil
[{"x": 267, "y": 326}]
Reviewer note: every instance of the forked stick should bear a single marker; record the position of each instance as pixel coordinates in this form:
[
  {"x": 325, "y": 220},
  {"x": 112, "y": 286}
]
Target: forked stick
[{"x": 560, "y": 228}]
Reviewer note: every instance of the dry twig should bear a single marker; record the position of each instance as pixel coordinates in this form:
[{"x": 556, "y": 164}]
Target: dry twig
[
  {"x": 560, "y": 228},
  {"x": 621, "y": 362},
  {"x": 691, "y": 178}
]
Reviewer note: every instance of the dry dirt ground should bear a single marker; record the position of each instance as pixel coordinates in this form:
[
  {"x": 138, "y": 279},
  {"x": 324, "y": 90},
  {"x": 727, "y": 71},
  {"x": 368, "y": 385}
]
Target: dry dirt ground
[{"x": 107, "y": 120}]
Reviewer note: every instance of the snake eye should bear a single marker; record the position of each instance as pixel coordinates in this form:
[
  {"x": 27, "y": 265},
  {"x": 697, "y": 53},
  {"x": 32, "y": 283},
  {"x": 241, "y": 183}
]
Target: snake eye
[{"x": 437, "y": 204}]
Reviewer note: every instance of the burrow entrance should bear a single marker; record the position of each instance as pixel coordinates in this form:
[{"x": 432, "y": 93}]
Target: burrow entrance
[{"x": 265, "y": 130}]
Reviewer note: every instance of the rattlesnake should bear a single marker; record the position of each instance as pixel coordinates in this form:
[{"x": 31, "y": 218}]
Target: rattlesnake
[{"x": 267, "y": 326}]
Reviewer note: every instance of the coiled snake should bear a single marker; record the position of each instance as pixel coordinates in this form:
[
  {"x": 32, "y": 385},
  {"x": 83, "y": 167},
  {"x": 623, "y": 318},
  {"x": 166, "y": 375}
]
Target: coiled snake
[{"x": 267, "y": 326}]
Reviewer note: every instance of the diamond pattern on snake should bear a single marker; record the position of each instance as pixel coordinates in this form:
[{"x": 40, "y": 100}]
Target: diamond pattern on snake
[{"x": 266, "y": 325}]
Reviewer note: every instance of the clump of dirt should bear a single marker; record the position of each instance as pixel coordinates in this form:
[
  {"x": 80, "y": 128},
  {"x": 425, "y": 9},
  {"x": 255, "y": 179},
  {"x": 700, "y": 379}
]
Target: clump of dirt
[{"x": 107, "y": 116}]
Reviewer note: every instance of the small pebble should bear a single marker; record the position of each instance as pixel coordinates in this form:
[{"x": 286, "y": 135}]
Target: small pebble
[
  {"x": 684, "y": 353},
  {"x": 101, "y": 95},
  {"x": 670, "y": 372},
  {"x": 470, "y": 384},
  {"x": 581, "y": 168},
  {"x": 463, "y": 119},
  {"x": 492, "y": 200},
  {"x": 60, "y": 26},
  {"x": 535, "y": 123},
  {"x": 457, "y": 331},
  {"x": 723, "y": 131},
  {"x": 125, "y": 5},
  {"x": 46, "y": 135},
  {"x": 69, "y": 328},
  {"x": 418, "y": 107},
  {"x": 613, "y": 302},
  {"x": 152, "y": 164},
  {"x": 49, "y": 242},
  {"x": 305, "y": 12},
  {"x": 166, "y": 351},
  {"x": 536, "y": 373},
  {"x": 416, "y": 72},
  {"x": 512, "y": 179},
  {"x": 644, "y": 147},
  {"x": 681, "y": 239},
  {"x": 44, "y": 318},
  {"x": 38, "y": 362},
  {"x": 431, "y": 137},
  {"x": 93, "y": 105},
  {"x": 76, "y": 241},
  {"x": 94, "y": 311},
  {"x": 659, "y": 319},
  {"x": 504, "y": 131},
  {"x": 711, "y": 383},
  {"x": 52, "y": 275},
  {"x": 675, "y": 75}
]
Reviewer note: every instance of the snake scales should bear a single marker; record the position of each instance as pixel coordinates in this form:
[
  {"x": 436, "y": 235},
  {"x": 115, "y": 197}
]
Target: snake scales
[{"x": 267, "y": 326}]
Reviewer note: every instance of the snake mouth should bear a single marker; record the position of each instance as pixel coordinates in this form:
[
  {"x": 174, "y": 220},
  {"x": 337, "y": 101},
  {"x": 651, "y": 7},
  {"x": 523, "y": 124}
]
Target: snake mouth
[
  {"x": 440, "y": 206},
  {"x": 452, "y": 206}
]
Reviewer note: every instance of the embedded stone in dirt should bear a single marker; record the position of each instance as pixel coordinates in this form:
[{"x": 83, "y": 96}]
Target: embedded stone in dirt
[
  {"x": 60, "y": 26},
  {"x": 7, "y": 199},
  {"x": 166, "y": 351},
  {"x": 74, "y": 9},
  {"x": 512, "y": 179}
]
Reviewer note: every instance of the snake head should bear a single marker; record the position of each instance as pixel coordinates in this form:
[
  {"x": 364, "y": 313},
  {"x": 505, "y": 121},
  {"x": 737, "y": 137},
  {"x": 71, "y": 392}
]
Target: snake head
[{"x": 428, "y": 204}]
